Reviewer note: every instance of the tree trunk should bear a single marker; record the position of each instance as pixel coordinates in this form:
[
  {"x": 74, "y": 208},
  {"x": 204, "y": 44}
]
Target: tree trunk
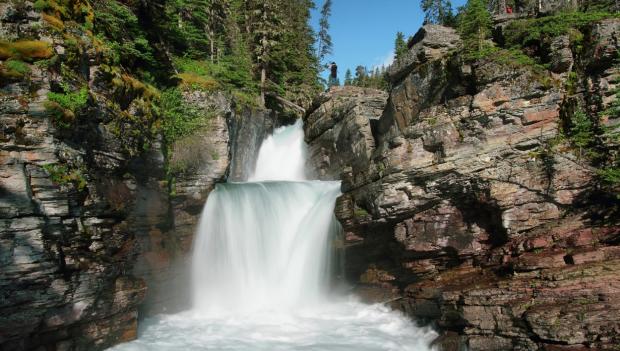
[
  {"x": 211, "y": 40},
  {"x": 263, "y": 80},
  {"x": 287, "y": 103},
  {"x": 212, "y": 34},
  {"x": 263, "y": 66}
]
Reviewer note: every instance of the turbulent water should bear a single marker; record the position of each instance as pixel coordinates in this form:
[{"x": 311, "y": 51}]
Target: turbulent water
[{"x": 262, "y": 268}]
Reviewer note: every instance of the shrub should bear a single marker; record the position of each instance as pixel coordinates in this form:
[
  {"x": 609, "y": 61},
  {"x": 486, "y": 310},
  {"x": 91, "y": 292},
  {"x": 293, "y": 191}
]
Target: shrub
[
  {"x": 582, "y": 132},
  {"x": 179, "y": 119},
  {"x": 70, "y": 100},
  {"x": 193, "y": 81},
  {"x": 530, "y": 31},
  {"x": 189, "y": 154},
  {"x": 229, "y": 73},
  {"x": 61, "y": 175},
  {"x": 611, "y": 175}
]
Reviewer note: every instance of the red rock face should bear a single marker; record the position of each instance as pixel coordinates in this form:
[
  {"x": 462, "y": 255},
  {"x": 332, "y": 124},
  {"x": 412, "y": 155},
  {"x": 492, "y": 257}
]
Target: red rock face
[{"x": 451, "y": 213}]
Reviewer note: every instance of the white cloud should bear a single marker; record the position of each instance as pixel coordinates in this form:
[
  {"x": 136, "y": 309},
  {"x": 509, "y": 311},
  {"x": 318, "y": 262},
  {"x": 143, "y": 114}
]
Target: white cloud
[{"x": 385, "y": 60}]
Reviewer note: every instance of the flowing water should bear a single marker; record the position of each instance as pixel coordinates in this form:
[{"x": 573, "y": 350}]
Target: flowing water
[{"x": 262, "y": 268}]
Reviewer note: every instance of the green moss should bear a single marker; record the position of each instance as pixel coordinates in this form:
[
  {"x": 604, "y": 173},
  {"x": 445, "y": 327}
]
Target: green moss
[
  {"x": 25, "y": 50},
  {"x": 77, "y": 11},
  {"x": 63, "y": 107},
  {"x": 18, "y": 66},
  {"x": 360, "y": 212},
  {"x": 63, "y": 175},
  {"x": 70, "y": 100},
  {"x": 515, "y": 58},
  {"x": 14, "y": 69},
  {"x": 63, "y": 118},
  {"x": 41, "y": 5}
]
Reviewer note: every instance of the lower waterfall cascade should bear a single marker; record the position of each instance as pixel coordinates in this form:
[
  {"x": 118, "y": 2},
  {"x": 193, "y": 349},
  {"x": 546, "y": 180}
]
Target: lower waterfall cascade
[{"x": 262, "y": 270}]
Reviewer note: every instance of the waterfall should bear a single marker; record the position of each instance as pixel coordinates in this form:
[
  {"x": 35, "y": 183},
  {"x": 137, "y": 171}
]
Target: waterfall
[
  {"x": 264, "y": 245},
  {"x": 267, "y": 243},
  {"x": 282, "y": 156},
  {"x": 262, "y": 267}
]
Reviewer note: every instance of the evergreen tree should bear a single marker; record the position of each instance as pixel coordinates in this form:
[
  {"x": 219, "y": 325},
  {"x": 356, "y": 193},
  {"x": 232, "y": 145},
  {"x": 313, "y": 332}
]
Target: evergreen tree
[
  {"x": 265, "y": 24},
  {"x": 437, "y": 12},
  {"x": 325, "y": 40},
  {"x": 218, "y": 11},
  {"x": 360, "y": 76},
  {"x": 248, "y": 47},
  {"x": 400, "y": 46},
  {"x": 475, "y": 26},
  {"x": 294, "y": 66},
  {"x": 348, "y": 78}
]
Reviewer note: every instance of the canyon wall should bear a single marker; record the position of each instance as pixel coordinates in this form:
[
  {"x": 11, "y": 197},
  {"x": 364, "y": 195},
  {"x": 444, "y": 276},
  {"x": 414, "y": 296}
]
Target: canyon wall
[
  {"x": 464, "y": 207},
  {"x": 96, "y": 223}
]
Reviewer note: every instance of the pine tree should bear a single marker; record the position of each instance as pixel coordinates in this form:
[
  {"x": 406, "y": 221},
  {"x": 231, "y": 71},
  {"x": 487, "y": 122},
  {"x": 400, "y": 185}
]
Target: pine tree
[
  {"x": 348, "y": 78},
  {"x": 360, "y": 76},
  {"x": 294, "y": 66},
  {"x": 437, "y": 12},
  {"x": 400, "y": 46},
  {"x": 217, "y": 11},
  {"x": 475, "y": 26},
  {"x": 265, "y": 24},
  {"x": 324, "y": 39}
]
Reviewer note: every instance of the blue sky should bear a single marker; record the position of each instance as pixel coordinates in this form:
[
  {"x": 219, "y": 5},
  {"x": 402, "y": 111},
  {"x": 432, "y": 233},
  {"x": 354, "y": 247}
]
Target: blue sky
[{"x": 363, "y": 31}]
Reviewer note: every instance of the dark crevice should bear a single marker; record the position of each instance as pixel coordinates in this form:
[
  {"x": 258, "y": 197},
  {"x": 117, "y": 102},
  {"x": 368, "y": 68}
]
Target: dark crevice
[{"x": 473, "y": 199}]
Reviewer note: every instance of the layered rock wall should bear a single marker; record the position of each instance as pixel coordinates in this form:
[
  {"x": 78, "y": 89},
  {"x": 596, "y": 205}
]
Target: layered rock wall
[
  {"x": 460, "y": 208},
  {"x": 96, "y": 225}
]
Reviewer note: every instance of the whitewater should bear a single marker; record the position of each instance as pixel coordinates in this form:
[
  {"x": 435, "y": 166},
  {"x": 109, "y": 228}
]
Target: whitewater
[{"x": 263, "y": 268}]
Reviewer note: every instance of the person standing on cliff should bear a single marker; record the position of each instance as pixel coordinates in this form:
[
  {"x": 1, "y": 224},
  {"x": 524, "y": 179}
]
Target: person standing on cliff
[{"x": 333, "y": 76}]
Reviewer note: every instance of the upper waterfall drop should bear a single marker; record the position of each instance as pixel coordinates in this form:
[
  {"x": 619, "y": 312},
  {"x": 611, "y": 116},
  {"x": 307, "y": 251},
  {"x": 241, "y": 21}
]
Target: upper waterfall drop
[{"x": 282, "y": 156}]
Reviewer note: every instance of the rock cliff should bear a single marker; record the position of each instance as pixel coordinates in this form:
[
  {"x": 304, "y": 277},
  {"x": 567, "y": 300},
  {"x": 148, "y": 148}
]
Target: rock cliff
[
  {"x": 463, "y": 206},
  {"x": 95, "y": 223}
]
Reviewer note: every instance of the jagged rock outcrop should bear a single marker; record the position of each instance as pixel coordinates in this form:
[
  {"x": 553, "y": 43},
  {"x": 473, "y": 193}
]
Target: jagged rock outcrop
[
  {"x": 341, "y": 127},
  {"x": 458, "y": 208}
]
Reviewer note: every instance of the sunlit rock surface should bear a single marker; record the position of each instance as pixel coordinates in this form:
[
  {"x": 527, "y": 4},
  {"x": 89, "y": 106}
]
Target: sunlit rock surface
[{"x": 454, "y": 212}]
